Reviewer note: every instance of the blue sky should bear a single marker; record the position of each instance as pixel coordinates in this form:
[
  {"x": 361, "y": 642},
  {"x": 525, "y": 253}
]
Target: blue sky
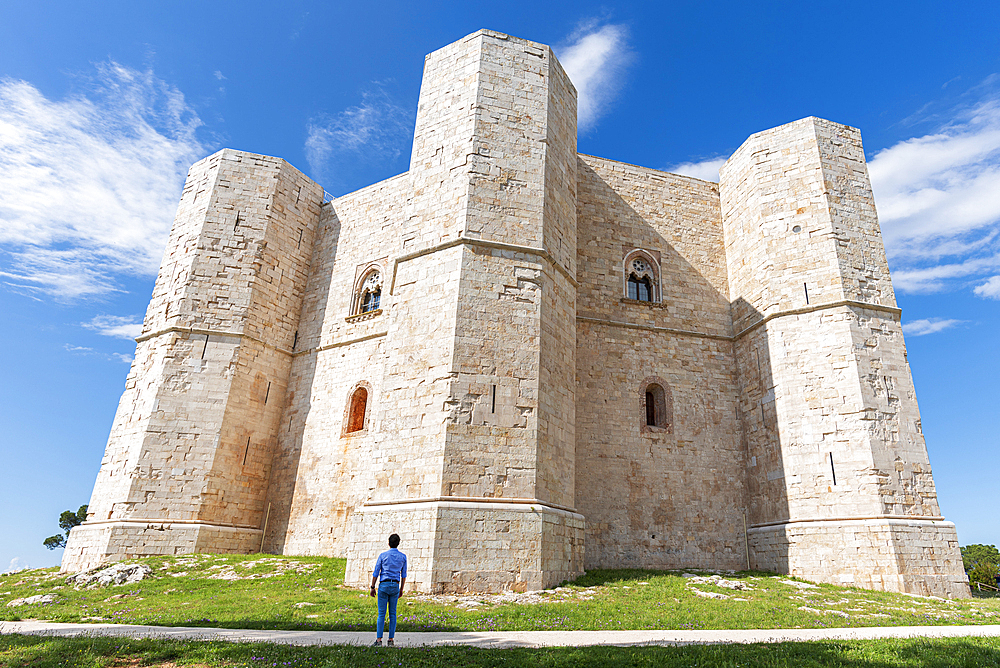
[{"x": 104, "y": 106}]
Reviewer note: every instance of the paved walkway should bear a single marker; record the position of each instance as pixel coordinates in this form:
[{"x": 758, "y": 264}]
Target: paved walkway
[{"x": 501, "y": 639}]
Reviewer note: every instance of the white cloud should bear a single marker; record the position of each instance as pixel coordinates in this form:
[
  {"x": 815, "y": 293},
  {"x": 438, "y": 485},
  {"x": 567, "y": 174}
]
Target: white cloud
[
  {"x": 89, "y": 184},
  {"x": 16, "y": 564},
  {"x": 928, "y": 326},
  {"x": 595, "y": 57},
  {"x": 706, "y": 170},
  {"x": 116, "y": 326},
  {"x": 377, "y": 130},
  {"x": 990, "y": 289},
  {"x": 938, "y": 198}
]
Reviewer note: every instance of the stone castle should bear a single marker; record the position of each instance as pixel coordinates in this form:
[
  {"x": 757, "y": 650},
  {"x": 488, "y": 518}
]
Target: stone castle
[{"x": 529, "y": 362}]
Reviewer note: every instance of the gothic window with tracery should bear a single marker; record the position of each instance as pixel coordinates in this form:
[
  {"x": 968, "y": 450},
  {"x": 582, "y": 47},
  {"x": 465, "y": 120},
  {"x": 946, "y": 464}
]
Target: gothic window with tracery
[
  {"x": 370, "y": 293},
  {"x": 642, "y": 283}
]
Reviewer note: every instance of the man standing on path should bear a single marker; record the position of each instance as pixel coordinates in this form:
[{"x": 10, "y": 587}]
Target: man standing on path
[{"x": 391, "y": 566}]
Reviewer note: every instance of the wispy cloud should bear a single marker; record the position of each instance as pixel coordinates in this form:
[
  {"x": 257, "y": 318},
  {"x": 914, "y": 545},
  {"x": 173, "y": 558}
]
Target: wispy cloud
[
  {"x": 87, "y": 351},
  {"x": 596, "y": 58},
  {"x": 706, "y": 170},
  {"x": 990, "y": 289},
  {"x": 116, "y": 326},
  {"x": 375, "y": 132},
  {"x": 16, "y": 564},
  {"x": 89, "y": 184},
  {"x": 938, "y": 202},
  {"x": 928, "y": 326}
]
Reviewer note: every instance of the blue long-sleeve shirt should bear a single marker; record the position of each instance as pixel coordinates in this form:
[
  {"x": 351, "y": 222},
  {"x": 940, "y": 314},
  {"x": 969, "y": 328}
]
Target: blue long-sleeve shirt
[{"x": 391, "y": 565}]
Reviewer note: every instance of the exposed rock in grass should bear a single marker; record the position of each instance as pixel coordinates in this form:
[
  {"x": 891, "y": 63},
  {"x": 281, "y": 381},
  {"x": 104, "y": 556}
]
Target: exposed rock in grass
[
  {"x": 32, "y": 600},
  {"x": 718, "y": 581},
  {"x": 708, "y": 594},
  {"x": 117, "y": 574}
]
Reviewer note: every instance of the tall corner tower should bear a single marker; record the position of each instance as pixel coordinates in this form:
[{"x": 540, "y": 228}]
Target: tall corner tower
[
  {"x": 187, "y": 463},
  {"x": 476, "y": 471},
  {"x": 839, "y": 483}
]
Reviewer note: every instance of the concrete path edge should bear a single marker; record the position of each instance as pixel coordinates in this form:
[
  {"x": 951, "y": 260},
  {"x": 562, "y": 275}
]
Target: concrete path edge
[{"x": 501, "y": 639}]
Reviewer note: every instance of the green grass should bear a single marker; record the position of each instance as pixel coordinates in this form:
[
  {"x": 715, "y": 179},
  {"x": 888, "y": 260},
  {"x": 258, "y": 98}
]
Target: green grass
[
  {"x": 42, "y": 652},
  {"x": 191, "y": 591}
]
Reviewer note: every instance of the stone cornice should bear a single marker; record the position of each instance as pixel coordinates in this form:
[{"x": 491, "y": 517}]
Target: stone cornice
[{"x": 482, "y": 243}]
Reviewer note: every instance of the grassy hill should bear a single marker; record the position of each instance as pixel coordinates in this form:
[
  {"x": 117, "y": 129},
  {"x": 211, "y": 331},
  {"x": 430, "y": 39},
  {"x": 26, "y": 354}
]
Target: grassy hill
[{"x": 269, "y": 592}]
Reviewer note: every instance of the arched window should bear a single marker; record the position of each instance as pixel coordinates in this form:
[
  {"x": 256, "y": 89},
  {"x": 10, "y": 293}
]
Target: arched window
[
  {"x": 658, "y": 406},
  {"x": 359, "y": 407},
  {"x": 642, "y": 281},
  {"x": 369, "y": 294}
]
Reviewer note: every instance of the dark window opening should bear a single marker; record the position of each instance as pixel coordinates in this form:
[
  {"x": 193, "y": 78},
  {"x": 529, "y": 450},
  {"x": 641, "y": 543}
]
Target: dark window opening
[
  {"x": 640, "y": 289},
  {"x": 658, "y": 405},
  {"x": 370, "y": 300},
  {"x": 359, "y": 404}
]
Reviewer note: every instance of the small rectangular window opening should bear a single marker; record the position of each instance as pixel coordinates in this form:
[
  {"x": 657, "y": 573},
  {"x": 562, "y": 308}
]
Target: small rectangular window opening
[
  {"x": 806, "y": 290},
  {"x": 295, "y": 341},
  {"x": 236, "y": 226},
  {"x": 833, "y": 471},
  {"x": 493, "y": 407},
  {"x": 300, "y": 238},
  {"x": 298, "y": 194},
  {"x": 267, "y": 393},
  {"x": 246, "y": 452},
  {"x": 205, "y": 348}
]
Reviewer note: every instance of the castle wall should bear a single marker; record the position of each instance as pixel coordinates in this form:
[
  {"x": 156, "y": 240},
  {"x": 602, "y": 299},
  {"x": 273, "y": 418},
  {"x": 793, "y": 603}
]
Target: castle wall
[
  {"x": 830, "y": 413},
  {"x": 482, "y": 288},
  {"x": 655, "y": 498},
  {"x": 321, "y": 473},
  {"x": 506, "y": 436},
  {"x": 190, "y": 451}
]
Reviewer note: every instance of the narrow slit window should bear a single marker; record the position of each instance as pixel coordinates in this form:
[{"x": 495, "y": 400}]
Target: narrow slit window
[
  {"x": 236, "y": 226},
  {"x": 493, "y": 406},
  {"x": 267, "y": 393},
  {"x": 246, "y": 451},
  {"x": 658, "y": 408},
  {"x": 359, "y": 405},
  {"x": 805, "y": 289},
  {"x": 833, "y": 471}
]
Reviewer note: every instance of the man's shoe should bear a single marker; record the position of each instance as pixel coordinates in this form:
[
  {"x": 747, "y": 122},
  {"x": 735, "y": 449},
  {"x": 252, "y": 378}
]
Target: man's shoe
[
  {"x": 377, "y": 643},
  {"x": 390, "y": 643}
]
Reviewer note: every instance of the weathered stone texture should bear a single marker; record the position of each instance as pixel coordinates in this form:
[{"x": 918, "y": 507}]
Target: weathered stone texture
[
  {"x": 506, "y": 434},
  {"x": 829, "y": 410}
]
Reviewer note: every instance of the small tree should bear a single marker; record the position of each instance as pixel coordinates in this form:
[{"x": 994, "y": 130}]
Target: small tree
[
  {"x": 67, "y": 520},
  {"x": 974, "y": 554},
  {"x": 984, "y": 572}
]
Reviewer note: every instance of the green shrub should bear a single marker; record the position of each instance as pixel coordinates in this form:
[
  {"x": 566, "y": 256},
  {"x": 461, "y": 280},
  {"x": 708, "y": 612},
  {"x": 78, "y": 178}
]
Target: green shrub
[{"x": 984, "y": 572}]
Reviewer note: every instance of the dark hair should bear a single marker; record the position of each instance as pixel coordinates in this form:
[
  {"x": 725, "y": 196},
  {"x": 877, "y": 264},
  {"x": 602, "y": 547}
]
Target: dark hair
[{"x": 394, "y": 540}]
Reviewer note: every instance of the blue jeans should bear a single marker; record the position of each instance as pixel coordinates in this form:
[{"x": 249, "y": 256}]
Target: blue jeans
[{"x": 388, "y": 595}]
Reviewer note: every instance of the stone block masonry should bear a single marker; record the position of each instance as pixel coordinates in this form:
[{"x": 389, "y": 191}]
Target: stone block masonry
[{"x": 528, "y": 362}]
